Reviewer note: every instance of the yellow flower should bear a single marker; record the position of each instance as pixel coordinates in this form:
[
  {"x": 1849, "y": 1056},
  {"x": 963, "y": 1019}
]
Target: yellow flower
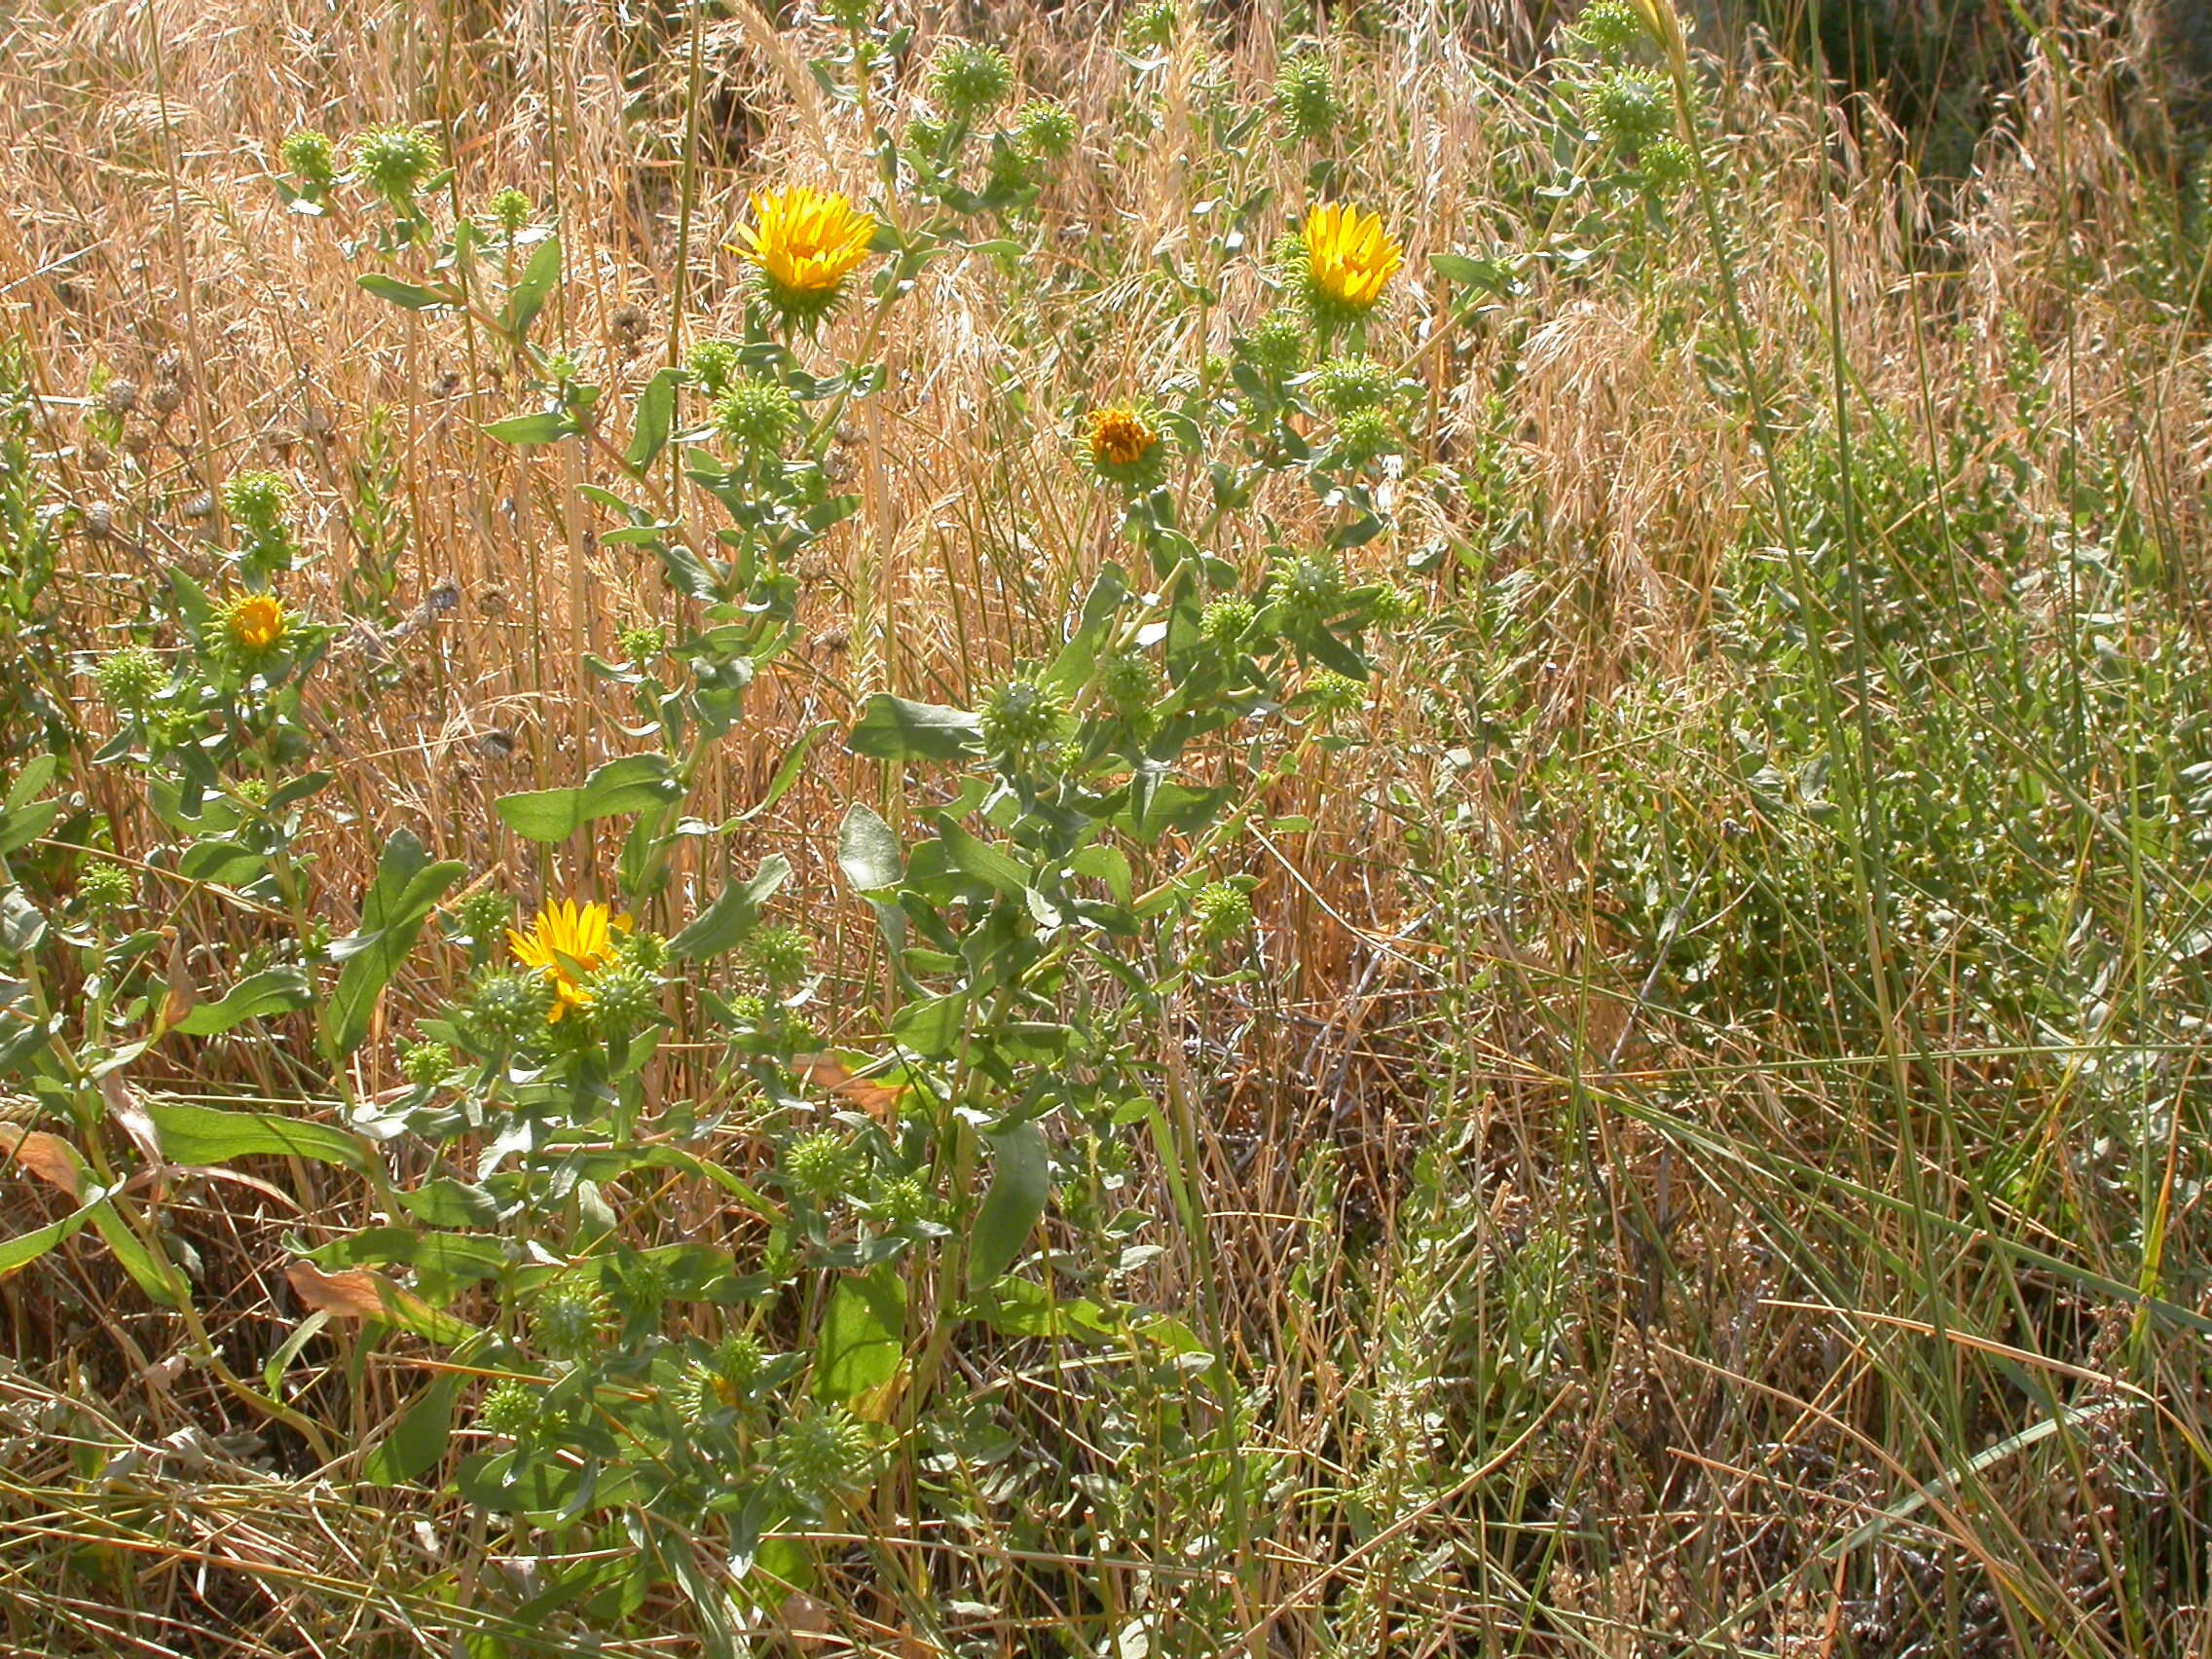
[
  {"x": 1119, "y": 437},
  {"x": 1348, "y": 257},
  {"x": 805, "y": 243},
  {"x": 568, "y": 945},
  {"x": 1126, "y": 449},
  {"x": 256, "y": 622}
]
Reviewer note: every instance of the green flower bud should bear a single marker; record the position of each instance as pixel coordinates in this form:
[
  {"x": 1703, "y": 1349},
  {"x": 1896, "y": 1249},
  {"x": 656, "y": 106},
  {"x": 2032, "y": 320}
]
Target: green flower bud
[
  {"x": 737, "y": 1364},
  {"x": 643, "y": 1285},
  {"x": 1127, "y": 683},
  {"x": 1046, "y": 131},
  {"x": 1631, "y": 107},
  {"x": 822, "y": 1454},
  {"x": 129, "y": 678},
  {"x": 751, "y": 1013},
  {"x": 779, "y": 955},
  {"x": 641, "y": 644},
  {"x": 1020, "y": 715},
  {"x": 970, "y": 79},
  {"x": 1364, "y": 433},
  {"x": 1277, "y": 346},
  {"x": 1306, "y": 97},
  {"x": 508, "y": 1409},
  {"x": 510, "y": 210},
  {"x": 1343, "y": 384},
  {"x": 818, "y": 1165},
  {"x": 1333, "y": 695},
  {"x": 622, "y": 999},
  {"x": 1394, "y": 604},
  {"x": 1609, "y": 28},
  {"x": 755, "y": 415},
  {"x": 926, "y": 134},
  {"x": 309, "y": 154},
  {"x": 1309, "y": 586},
  {"x": 395, "y": 159},
  {"x": 567, "y": 1317},
  {"x": 482, "y": 918},
  {"x": 712, "y": 363},
  {"x": 106, "y": 889},
  {"x": 904, "y": 1199},
  {"x": 509, "y": 1009},
  {"x": 1222, "y": 910},
  {"x": 425, "y": 1064},
  {"x": 1227, "y": 623},
  {"x": 1667, "y": 165},
  {"x": 257, "y": 500}
]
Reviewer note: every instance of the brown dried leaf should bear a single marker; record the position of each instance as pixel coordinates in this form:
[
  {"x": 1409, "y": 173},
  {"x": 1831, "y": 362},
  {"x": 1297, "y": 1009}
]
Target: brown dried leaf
[
  {"x": 50, "y": 1158},
  {"x": 123, "y": 1105},
  {"x": 181, "y": 997},
  {"x": 831, "y": 1071},
  {"x": 354, "y": 1294}
]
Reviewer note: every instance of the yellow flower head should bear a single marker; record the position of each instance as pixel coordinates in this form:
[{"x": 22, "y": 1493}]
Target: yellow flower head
[
  {"x": 805, "y": 243},
  {"x": 1119, "y": 437},
  {"x": 1125, "y": 448},
  {"x": 1349, "y": 258},
  {"x": 256, "y": 623},
  {"x": 568, "y": 945}
]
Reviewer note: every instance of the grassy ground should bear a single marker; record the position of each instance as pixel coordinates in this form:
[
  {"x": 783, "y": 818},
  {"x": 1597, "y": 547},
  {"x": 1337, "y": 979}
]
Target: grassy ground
[{"x": 1701, "y": 1145}]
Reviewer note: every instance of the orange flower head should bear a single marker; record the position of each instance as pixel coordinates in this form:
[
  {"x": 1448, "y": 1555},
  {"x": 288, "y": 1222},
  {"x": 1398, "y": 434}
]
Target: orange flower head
[{"x": 1120, "y": 437}]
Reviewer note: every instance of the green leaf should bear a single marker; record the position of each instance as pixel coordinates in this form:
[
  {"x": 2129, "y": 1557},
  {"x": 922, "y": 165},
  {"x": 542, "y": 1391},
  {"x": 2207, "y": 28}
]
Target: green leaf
[
  {"x": 656, "y": 415},
  {"x": 154, "y": 1275},
  {"x": 724, "y": 925},
  {"x": 1022, "y": 1307},
  {"x": 409, "y": 294},
  {"x": 528, "y": 431},
  {"x": 272, "y": 991},
  {"x": 1459, "y": 267},
  {"x": 22, "y": 923},
  {"x": 932, "y": 1026},
  {"x": 407, "y": 889},
  {"x": 1109, "y": 865},
  {"x": 207, "y": 1135},
  {"x": 1020, "y": 1184},
  {"x": 892, "y": 728},
  {"x": 37, "y": 773},
  {"x": 531, "y": 289},
  {"x": 443, "y": 1202},
  {"x": 868, "y": 850},
  {"x": 863, "y": 1336},
  {"x": 418, "y": 1439},
  {"x": 27, "y": 1247},
  {"x": 455, "y": 1258},
  {"x": 979, "y": 860},
  {"x": 631, "y": 784},
  {"x": 280, "y": 1362},
  {"x": 21, "y": 822},
  {"x": 20, "y": 826}
]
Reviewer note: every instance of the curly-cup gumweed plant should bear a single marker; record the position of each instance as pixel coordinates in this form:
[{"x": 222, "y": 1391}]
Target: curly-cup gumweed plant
[{"x": 1056, "y": 866}]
